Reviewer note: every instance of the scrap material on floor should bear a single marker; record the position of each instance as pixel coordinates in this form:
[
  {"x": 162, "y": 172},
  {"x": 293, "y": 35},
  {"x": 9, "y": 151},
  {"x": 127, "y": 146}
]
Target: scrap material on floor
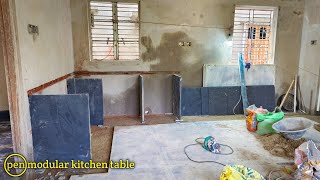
[
  {"x": 157, "y": 151},
  {"x": 277, "y": 145},
  {"x": 5, "y": 146}
]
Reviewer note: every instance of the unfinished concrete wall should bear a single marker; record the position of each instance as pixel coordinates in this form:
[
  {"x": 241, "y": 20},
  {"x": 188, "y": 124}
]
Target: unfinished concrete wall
[
  {"x": 205, "y": 24},
  {"x": 40, "y": 58},
  {"x": 309, "y": 67},
  {"x": 120, "y": 94},
  {"x": 4, "y": 106},
  {"x": 158, "y": 94},
  {"x": 48, "y": 55}
]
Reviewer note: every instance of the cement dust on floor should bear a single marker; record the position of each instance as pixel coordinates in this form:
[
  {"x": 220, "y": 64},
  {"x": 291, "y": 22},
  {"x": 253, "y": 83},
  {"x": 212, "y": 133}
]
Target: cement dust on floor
[
  {"x": 157, "y": 151},
  {"x": 102, "y": 137},
  {"x": 101, "y": 142},
  {"x": 252, "y": 154}
]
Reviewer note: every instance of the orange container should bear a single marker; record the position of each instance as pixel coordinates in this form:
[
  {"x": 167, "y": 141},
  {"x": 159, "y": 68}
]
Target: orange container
[{"x": 251, "y": 121}]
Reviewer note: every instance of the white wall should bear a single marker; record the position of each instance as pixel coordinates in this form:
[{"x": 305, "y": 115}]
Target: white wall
[
  {"x": 49, "y": 55},
  {"x": 309, "y": 66},
  {"x": 3, "y": 86}
]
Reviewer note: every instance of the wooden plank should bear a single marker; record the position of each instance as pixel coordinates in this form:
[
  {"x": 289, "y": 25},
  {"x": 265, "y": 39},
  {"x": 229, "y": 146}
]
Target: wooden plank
[
  {"x": 50, "y": 83},
  {"x": 92, "y": 73},
  {"x": 21, "y": 135}
]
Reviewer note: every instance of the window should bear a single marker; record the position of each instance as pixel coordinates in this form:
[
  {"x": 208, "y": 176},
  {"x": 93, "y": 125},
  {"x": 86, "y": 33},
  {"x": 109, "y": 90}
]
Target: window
[
  {"x": 114, "y": 28},
  {"x": 254, "y": 34}
]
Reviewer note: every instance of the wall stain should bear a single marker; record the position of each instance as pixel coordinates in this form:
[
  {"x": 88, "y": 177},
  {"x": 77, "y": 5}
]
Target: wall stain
[
  {"x": 169, "y": 56},
  {"x": 169, "y": 52},
  {"x": 150, "y": 53},
  {"x": 297, "y": 13}
]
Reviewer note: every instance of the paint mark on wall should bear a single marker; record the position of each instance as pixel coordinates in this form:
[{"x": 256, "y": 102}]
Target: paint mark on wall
[{"x": 168, "y": 55}]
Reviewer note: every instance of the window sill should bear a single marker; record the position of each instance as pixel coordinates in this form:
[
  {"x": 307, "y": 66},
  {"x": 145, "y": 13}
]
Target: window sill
[{"x": 116, "y": 61}]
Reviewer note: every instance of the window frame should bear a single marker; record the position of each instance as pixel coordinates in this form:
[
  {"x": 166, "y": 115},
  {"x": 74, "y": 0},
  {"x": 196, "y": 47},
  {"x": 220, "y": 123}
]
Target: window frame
[
  {"x": 274, "y": 25},
  {"x": 90, "y": 34}
]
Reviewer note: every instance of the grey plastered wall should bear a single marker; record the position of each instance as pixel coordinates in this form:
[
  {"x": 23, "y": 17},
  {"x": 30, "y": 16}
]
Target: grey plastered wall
[
  {"x": 120, "y": 94},
  {"x": 206, "y": 24},
  {"x": 158, "y": 93},
  {"x": 309, "y": 67}
]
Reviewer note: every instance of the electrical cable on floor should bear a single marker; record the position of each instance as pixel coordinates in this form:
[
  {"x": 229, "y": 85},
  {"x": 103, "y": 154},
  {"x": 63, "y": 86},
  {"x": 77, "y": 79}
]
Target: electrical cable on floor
[
  {"x": 205, "y": 144},
  {"x": 236, "y": 105}
]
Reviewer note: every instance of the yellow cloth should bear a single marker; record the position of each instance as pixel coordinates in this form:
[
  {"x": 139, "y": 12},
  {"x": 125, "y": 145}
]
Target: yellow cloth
[{"x": 239, "y": 172}]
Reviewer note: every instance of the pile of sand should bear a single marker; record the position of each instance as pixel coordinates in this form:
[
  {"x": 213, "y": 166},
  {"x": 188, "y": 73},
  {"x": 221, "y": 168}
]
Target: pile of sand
[{"x": 278, "y": 145}]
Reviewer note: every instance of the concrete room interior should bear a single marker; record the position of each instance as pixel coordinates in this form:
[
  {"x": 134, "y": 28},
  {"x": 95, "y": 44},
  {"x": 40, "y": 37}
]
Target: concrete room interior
[{"x": 155, "y": 74}]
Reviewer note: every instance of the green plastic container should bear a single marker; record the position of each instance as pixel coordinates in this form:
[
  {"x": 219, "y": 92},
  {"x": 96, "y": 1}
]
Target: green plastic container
[{"x": 265, "y": 122}]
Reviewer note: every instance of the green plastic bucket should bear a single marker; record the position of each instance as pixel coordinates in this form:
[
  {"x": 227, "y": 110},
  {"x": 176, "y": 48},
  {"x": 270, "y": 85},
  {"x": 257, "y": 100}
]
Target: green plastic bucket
[{"x": 265, "y": 122}]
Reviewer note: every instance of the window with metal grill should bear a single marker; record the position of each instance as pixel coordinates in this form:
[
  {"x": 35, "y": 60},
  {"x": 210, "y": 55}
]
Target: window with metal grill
[
  {"x": 254, "y": 34},
  {"x": 114, "y": 30}
]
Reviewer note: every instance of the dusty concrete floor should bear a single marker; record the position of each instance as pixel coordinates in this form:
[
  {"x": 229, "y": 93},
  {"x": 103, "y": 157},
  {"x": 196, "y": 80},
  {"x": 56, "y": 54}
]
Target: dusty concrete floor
[
  {"x": 102, "y": 136},
  {"x": 157, "y": 150},
  {"x": 101, "y": 139}
]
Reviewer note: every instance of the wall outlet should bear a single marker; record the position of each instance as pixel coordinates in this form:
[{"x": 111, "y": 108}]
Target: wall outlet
[
  {"x": 187, "y": 43},
  {"x": 33, "y": 29},
  {"x": 314, "y": 42},
  {"x": 184, "y": 43}
]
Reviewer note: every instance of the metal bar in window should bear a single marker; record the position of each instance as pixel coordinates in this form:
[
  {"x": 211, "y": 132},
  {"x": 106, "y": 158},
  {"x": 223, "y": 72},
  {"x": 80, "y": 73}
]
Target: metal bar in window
[{"x": 115, "y": 29}]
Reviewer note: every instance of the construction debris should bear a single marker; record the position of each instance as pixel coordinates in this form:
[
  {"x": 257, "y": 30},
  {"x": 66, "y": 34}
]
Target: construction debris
[{"x": 279, "y": 146}]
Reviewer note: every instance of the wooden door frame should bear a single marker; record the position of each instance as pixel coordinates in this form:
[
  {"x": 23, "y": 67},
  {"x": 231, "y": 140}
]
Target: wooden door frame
[{"x": 17, "y": 98}]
